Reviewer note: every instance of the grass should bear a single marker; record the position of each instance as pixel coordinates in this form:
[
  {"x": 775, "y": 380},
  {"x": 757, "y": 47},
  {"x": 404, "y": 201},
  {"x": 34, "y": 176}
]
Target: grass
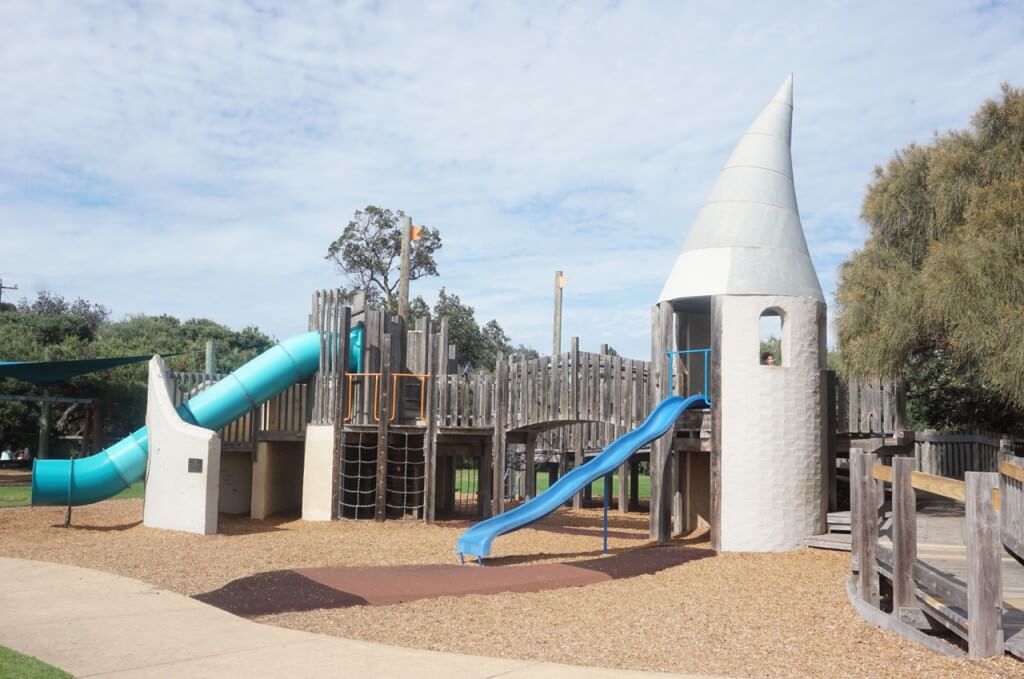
[
  {"x": 466, "y": 482},
  {"x": 13, "y": 664},
  {"x": 21, "y": 496}
]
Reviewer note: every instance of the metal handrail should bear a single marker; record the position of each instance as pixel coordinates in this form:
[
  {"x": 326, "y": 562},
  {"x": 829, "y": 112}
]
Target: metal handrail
[
  {"x": 422, "y": 377},
  {"x": 671, "y": 364}
]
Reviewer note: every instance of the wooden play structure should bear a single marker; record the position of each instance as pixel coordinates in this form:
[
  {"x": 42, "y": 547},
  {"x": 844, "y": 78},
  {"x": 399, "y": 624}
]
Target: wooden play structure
[
  {"x": 940, "y": 565},
  {"x": 414, "y": 436}
]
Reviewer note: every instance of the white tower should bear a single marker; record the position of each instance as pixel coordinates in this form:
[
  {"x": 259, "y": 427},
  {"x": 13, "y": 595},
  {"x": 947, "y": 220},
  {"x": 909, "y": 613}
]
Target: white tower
[{"x": 746, "y": 257}]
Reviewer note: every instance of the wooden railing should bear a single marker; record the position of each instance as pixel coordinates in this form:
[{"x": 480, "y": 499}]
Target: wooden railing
[
  {"x": 580, "y": 387},
  {"x": 1011, "y": 512},
  {"x": 994, "y": 515},
  {"x": 465, "y": 401},
  {"x": 953, "y": 454},
  {"x": 282, "y": 417},
  {"x": 870, "y": 406}
]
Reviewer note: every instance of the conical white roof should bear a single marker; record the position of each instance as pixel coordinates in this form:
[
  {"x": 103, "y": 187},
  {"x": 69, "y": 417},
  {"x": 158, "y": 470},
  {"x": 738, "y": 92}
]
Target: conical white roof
[{"x": 747, "y": 238}]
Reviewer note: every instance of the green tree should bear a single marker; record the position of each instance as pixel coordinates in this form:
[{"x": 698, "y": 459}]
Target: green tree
[
  {"x": 368, "y": 253},
  {"x": 937, "y": 292},
  {"x": 476, "y": 346},
  {"x": 80, "y": 329}
]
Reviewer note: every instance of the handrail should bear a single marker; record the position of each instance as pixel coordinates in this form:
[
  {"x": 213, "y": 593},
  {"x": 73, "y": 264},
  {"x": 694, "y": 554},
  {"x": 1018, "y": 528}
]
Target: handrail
[
  {"x": 936, "y": 485},
  {"x": 1011, "y": 470},
  {"x": 376, "y": 393},
  {"x": 422, "y": 377},
  {"x": 671, "y": 368}
]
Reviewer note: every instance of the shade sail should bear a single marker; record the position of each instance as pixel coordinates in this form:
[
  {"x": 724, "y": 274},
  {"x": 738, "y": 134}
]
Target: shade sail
[{"x": 52, "y": 372}]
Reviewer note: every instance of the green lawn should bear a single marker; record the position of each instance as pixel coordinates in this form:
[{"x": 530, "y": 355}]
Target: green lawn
[
  {"x": 21, "y": 496},
  {"x": 14, "y": 664},
  {"x": 466, "y": 482}
]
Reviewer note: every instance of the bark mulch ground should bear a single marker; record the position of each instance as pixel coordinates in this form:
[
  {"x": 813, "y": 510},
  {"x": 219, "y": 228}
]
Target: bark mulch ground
[{"x": 753, "y": 615}]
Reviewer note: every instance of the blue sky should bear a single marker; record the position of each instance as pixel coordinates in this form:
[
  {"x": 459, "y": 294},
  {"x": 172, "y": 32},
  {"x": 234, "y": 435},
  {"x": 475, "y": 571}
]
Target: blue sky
[{"x": 197, "y": 158}]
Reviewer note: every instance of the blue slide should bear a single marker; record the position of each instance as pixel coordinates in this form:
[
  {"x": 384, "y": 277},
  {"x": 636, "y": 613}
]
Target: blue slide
[
  {"x": 99, "y": 476},
  {"x": 477, "y": 540}
]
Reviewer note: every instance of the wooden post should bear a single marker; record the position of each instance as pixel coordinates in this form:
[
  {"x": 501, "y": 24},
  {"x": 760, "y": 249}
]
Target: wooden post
[
  {"x": 864, "y": 523},
  {"x": 831, "y": 442},
  {"x": 904, "y": 541},
  {"x": 430, "y": 435},
  {"x": 984, "y": 575},
  {"x": 634, "y": 484},
  {"x": 678, "y": 513},
  {"x": 338, "y": 406},
  {"x": 856, "y": 469},
  {"x": 623, "y": 488},
  {"x": 403, "y": 270},
  {"x": 383, "y": 410},
  {"x": 662, "y": 322},
  {"x": 501, "y": 380},
  {"x": 530, "y": 484},
  {"x": 485, "y": 483},
  {"x": 576, "y": 438},
  {"x": 556, "y": 337}
]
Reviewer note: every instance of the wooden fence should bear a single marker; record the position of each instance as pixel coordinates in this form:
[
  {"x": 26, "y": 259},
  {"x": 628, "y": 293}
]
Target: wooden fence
[
  {"x": 952, "y": 454},
  {"x": 994, "y": 516},
  {"x": 577, "y": 387},
  {"x": 870, "y": 406},
  {"x": 1011, "y": 497}
]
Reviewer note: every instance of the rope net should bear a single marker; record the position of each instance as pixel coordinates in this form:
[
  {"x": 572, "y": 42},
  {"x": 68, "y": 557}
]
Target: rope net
[
  {"x": 358, "y": 494},
  {"x": 404, "y": 498}
]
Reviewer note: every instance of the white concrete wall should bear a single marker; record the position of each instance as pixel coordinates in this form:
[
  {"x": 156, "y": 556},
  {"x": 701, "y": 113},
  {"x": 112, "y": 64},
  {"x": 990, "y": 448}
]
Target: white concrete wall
[
  {"x": 176, "y": 498},
  {"x": 318, "y": 474},
  {"x": 771, "y": 438}
]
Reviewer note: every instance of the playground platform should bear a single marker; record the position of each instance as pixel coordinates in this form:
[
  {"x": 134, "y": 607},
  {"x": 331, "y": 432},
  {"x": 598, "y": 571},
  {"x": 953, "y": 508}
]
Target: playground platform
[{"x": 95, "y": 624}]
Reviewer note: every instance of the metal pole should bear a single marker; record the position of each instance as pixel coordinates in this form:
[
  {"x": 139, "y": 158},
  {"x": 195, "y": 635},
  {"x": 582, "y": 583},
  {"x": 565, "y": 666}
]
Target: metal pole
[
  {"x": 211, "y": 358},
  {"x": 403, "y": 273},
  {"x": 607, "y": 495},
  {"x": 44, "y": 418},
  {"x": 556, "y": 344}
]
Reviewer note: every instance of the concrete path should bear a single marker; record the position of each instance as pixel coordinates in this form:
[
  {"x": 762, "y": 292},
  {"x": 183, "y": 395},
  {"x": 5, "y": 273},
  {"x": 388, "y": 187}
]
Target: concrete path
[{"x": 95, "y": 624}]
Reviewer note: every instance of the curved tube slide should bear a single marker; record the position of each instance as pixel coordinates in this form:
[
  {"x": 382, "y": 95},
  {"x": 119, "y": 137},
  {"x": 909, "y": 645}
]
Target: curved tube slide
[
  {"x": 477, "y": 540},
  {"x": 99, "y": 476}
]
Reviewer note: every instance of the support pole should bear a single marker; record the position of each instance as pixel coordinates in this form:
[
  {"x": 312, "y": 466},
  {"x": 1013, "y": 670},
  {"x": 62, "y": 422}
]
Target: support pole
[
  {"x": 211, "y": 358},
  {"x": 403, "y": 273},
  {"x": 383, "y": 413},
  {"x": 501, "y": 381},
  {"x": 530, "y": 483},
  {"x": 904, "y": 541},
  {"x": 984, "y": 574},
  {"x": 607, "y": 500},
  {"x": 662, "y": 322},
  {"x": 556, "y": 338}
]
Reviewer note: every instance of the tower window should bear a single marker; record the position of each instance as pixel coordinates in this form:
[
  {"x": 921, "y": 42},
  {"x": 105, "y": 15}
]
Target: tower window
[{"x": 770, "y": 337}]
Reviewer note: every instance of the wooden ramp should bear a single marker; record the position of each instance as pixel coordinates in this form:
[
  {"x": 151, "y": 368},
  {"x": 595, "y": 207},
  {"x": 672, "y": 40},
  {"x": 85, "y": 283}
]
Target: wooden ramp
[{"x": 940, "y": 529}]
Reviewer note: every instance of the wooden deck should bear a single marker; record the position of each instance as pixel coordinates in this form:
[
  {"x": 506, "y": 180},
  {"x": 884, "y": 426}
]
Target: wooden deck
[{"x": 940, "y": 529}]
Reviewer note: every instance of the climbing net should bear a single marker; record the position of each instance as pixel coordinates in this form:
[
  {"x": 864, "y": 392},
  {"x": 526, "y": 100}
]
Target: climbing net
[
  {"x": 358, "y": 493},
  {"x": 406, "y": 457}
]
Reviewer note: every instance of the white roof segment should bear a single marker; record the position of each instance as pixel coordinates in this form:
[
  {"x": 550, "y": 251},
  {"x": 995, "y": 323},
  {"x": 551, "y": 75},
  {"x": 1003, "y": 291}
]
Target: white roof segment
[{"x": 747, "y": 238}]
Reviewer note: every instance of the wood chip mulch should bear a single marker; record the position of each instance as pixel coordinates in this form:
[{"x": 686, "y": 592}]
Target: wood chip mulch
[{"x": 763, "y": 615}]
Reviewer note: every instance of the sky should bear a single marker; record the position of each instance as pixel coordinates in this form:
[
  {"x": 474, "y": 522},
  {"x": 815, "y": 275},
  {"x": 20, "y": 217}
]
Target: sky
[{"x": 197, "y": 158}]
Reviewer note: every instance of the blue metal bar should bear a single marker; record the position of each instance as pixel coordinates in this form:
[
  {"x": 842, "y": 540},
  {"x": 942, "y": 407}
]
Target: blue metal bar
[
  {"x": 671, "y": 366},
  {"x": 607, "y": 495}
]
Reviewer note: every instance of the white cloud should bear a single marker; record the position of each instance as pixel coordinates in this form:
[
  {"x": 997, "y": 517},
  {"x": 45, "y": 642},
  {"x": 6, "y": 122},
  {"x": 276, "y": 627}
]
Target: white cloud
[{"x": 197, "y": 158}]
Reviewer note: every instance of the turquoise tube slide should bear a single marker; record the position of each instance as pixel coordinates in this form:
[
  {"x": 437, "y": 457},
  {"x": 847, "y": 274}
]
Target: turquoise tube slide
[
  {"x": 477, "y": 540},
  {"x": 99, "y": 476}
]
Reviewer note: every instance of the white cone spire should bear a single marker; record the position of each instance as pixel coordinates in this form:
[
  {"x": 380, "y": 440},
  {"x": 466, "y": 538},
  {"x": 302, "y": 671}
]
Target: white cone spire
[{"x": 747, "y": 238}]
